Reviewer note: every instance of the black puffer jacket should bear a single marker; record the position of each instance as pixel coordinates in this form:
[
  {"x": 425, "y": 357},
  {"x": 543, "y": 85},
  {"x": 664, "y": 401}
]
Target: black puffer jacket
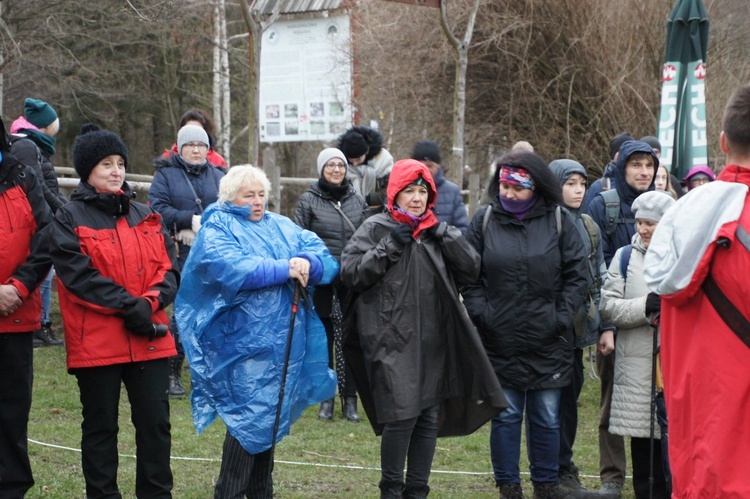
[
  {"x": 28, "y": 153},
  {"x": 315, "y": 211},
  {"x": 318, "y": 211},
  {"x": 532, "y": 283}
]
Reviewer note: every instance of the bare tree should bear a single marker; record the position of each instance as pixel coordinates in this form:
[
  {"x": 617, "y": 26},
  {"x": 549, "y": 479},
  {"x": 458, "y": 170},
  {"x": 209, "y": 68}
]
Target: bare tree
[
  {"x": 256, "y": 26},
  {"x": 461, "y": 54}
]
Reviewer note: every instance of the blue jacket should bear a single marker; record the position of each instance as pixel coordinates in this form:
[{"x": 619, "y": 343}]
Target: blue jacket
[
  {"x": 597, "y": 208},
  {"x": 233, "y": 310},
  {"x": 449, "y": 206}
]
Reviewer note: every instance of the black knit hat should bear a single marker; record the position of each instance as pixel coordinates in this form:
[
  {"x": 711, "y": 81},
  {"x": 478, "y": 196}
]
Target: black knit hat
[
  {"x": 353, "y": 144},
  {"x": 93, "y": 145},
  {"x": 426, "y": 150},
  {"x": 617, "y": 142}
]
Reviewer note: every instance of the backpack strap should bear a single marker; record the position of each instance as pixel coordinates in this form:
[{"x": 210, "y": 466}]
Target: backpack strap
[
  {"x": 728, "y": 312},
  {"x": 558, "y": 219},
  {"x": 612, "y": 212},
  {"x": 593, "y": 231},
  {"x": 625, "y": 254},
  {"x": 486, "y": 218}
]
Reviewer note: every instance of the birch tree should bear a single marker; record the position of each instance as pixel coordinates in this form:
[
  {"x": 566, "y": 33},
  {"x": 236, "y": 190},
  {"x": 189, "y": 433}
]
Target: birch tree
[
  {"x": 461, "y": 55},
  {"x": 222, "y": 95}
]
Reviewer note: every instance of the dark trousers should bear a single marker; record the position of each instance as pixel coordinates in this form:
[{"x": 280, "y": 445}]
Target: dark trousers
[
  {"x": 16, "y": 376},
  {"x": 415, "y": 438},
  {"x": 569, "y": 411},
  {"x": 243, "y": 474},
  {"x": 146, "y": 384},
  {"x": 639, "y": 452},
  {"x": 350, "y": 390},
  {"x": 612, "y": 461},
  {"x": 661, "y": 417}
]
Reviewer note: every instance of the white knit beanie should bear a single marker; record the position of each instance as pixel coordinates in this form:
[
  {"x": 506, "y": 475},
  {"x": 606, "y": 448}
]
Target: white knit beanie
[
  {"x": 191, "y": 133},
  {"x": 327, "y": 155},
  {"x": 652, "y": 205}
]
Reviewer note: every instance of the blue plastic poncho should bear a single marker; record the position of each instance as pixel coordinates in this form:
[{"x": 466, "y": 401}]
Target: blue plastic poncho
[{"x": 233, "y": 310}]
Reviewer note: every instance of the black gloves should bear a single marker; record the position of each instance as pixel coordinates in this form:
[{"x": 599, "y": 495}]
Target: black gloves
[
  {"x": 653, "y": 303},
  {"x": 437, "y": 231},
  {"x": 138, "y": 318},
  {"x": 401, "y": 234}
]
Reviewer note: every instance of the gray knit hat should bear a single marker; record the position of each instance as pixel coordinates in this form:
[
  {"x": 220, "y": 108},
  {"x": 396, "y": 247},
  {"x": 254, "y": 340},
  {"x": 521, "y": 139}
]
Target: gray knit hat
[
  {"x": 652, "y": 205},
  {"x": 191, "y": 133},
  {"x": 327, "y": 155}
]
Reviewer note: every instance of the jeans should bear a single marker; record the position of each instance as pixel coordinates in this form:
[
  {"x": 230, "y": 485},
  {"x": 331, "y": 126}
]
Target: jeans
[
  {"x": 569, "y": 410},
  {"x": 45, "y": 288},
  {"x": 542, "y": 436}
]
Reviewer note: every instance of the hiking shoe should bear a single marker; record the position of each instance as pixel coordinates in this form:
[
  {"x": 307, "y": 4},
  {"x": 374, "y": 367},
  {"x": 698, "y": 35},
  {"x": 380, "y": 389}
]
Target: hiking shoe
[
  {"x": 511, "y": 491},
  {"x": 568, "y": 478},
  {"x": 551, "y": 491},
  {"x": 611, "y": 490},
  {"x": 46, "y": 336}
]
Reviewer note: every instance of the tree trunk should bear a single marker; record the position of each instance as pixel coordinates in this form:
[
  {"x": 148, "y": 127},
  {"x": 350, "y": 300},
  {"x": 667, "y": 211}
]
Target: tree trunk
[
  {"x": 461, "y": 54},
  {"x": 222, "y": 96}
]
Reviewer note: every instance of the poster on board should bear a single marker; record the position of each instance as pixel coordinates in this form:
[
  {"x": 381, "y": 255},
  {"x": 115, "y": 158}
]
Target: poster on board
[{"x": 305, "y": 80}]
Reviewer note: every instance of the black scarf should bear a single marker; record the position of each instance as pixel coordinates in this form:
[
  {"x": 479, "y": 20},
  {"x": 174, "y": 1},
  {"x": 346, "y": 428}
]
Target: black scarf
[{"x": 337, "y": 192}]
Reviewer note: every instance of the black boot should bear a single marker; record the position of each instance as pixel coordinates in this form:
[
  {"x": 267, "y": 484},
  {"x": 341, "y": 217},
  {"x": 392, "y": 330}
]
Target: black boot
[
  {"x": 411, "y": 492},
  {"x": 349, "y": 408},
  {"x": 326, "y": 409},
  {"x": 176, "y": 390},
  {"x": 391, "y": 490},
  {"x": 46, "y": 336}
]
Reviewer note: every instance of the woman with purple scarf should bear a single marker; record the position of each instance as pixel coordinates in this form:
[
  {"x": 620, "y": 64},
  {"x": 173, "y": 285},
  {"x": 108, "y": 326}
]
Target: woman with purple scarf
[{"x": 532, "y": 283}]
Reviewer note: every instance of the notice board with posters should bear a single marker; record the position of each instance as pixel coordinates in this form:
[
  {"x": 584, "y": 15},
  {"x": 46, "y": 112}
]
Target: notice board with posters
[{"x": 305, "y": 80}]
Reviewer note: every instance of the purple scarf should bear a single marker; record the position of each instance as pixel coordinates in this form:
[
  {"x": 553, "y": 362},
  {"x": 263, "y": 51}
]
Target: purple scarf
[{"x": 518, "y": 209}]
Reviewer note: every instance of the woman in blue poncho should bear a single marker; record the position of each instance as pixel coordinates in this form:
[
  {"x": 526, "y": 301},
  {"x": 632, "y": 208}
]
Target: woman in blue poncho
[{"x": 233, "y": 310}]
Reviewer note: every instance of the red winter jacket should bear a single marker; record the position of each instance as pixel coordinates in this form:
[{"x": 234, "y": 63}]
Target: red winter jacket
[
  {"x": 107, "y": 251},
  {"x": 23, "y": 244},
  {"x": 705, "y": 366}
]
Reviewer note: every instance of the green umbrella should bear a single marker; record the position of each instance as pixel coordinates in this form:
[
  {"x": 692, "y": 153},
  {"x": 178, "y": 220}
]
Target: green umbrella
[{"x": 682, "y": 121}]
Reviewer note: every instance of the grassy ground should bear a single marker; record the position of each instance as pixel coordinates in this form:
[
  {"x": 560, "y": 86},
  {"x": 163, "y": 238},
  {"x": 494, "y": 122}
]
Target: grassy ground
[{"x": 319, "y": 458}]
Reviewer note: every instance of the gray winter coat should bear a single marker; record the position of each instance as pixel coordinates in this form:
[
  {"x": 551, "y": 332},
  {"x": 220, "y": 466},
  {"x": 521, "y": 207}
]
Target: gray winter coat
[{"x": 624, "y": 305}]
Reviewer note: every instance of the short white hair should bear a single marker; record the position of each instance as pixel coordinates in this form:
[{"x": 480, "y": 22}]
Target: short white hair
[{"x": 240, "y": 176}]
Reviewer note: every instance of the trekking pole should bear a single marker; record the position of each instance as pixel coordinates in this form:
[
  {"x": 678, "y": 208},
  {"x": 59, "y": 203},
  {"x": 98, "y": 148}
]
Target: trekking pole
[
  {"x": 654, "y": 321},
  {"x": 298, "y": 290}
]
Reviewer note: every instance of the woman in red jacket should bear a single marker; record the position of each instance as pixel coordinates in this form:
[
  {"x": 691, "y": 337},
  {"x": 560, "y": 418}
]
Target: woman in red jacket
[{"x": 117, "y": 270}]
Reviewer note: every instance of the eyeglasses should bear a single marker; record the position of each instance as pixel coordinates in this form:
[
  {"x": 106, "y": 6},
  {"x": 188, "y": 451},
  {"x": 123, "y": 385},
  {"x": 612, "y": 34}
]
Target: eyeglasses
[
  {"x": 334, "y": 166},
  {"x": 195, "y": 145}
]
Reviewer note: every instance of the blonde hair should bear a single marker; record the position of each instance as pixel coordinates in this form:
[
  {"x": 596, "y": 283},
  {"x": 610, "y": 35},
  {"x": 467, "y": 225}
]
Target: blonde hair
[{"x": 240, "y": 176}]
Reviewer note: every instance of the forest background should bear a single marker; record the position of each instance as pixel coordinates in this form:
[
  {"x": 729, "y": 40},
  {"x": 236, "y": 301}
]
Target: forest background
[{"x": 565, "y": 75}]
